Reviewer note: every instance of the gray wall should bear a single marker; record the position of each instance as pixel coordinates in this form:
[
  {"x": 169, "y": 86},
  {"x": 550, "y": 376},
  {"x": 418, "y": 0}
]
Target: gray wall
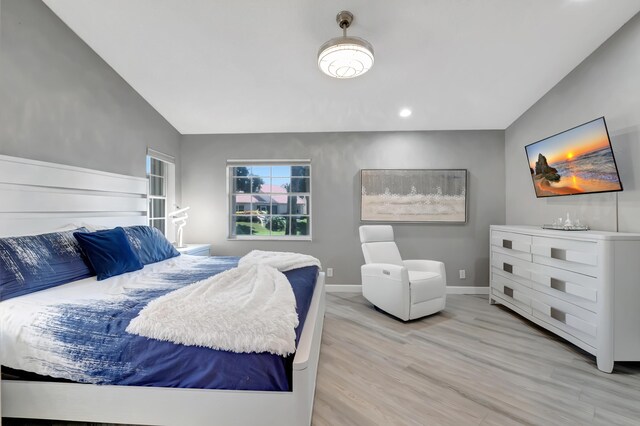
[
  {"x": 60, "y": 102},
  {"x": 606, "y": 83},
  {"x": 336, "y": 161}
]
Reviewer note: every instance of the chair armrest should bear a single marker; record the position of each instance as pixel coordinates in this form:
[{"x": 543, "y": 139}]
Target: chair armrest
[
  {"x": 387, "y": 286},
  {"x": 426, "y": 266},
  {"x": 386, "y": 270}
]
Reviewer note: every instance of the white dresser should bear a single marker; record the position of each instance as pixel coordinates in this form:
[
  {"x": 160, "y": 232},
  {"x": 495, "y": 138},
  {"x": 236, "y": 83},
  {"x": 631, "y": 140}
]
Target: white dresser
[{"x": 582, "y": 285}]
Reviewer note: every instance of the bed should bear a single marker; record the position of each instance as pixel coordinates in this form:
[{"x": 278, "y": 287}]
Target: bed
[{"x": 42, "y": 196}]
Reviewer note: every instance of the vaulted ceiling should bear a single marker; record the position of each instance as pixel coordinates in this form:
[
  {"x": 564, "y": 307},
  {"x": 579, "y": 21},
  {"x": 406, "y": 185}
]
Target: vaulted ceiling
[{"x": 250, "y": 66}]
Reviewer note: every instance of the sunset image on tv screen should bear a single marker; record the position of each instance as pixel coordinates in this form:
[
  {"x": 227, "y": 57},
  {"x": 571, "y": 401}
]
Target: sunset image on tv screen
[{"x": 577, "y": 161}]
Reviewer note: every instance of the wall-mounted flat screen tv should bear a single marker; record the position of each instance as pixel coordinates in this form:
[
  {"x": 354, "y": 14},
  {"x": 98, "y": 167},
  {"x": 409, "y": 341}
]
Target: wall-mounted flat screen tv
[{"x": 576, "y": 161}]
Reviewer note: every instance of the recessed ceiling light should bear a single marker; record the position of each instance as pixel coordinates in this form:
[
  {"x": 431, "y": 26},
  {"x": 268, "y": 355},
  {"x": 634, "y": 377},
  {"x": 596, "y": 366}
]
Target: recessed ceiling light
[{"x": 405, "y": 112}]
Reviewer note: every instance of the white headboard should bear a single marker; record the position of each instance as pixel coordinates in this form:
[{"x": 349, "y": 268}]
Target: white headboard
[{"x": 37, "y": 197}]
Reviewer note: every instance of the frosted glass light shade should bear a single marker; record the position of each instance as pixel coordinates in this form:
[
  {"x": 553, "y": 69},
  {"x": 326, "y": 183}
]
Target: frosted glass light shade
[{"x": 345, "y": 57}]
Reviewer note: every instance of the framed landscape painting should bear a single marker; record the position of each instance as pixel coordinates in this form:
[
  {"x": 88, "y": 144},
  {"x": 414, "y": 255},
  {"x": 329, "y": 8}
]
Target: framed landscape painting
[{"x": 412, "y": 195}]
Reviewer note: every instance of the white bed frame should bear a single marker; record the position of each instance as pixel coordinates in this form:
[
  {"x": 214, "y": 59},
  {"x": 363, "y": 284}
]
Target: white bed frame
[{"x": 38, "y": 197}]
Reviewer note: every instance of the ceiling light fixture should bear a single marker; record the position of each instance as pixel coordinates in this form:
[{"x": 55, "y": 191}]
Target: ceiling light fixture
[
  {"x": 345, "y": 57},
  {"x": 404, "y": 112}
]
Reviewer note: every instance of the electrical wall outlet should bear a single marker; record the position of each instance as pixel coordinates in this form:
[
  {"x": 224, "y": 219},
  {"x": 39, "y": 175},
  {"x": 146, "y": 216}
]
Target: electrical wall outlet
[
  {"x": 329, "y": 272},
  {"x": 463, "y": 274}
]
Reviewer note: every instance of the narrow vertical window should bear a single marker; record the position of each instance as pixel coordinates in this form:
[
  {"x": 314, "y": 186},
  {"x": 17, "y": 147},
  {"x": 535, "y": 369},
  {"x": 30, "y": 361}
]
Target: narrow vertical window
[{"x": 157, "y": 173}]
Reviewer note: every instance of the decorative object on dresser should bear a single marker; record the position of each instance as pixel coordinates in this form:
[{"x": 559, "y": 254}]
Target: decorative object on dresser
[
  {"x": 195, "y": 249},
  {"x": 408, "y": 289},
  {"x": 566, "y": 224},
  {"x": 581, "y": 286},
  {"x": 413, "y": 195}
]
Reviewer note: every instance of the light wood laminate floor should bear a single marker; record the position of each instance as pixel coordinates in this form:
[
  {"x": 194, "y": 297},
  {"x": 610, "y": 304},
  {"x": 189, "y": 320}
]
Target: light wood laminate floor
[{"x": 473, "y": 364}]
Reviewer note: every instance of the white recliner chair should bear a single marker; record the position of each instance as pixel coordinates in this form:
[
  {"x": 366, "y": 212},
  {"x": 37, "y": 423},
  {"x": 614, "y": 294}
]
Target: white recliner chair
[{"x": 406, "y": 289}]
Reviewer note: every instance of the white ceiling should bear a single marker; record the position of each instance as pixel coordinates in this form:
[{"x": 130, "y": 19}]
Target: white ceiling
[{"x": 250, "y": 66}]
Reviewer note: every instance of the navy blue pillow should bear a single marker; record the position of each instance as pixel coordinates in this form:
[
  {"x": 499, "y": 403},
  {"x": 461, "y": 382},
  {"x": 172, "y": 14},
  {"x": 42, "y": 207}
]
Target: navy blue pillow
[
  {"x": 109, "y": 252},
  {"x": 37, "y": 262},
  {"x": 150, "y": 244}
]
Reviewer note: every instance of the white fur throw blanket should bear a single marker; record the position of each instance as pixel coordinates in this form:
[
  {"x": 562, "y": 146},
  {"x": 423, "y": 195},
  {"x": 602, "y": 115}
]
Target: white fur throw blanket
[{"x": 250, "y": 308}]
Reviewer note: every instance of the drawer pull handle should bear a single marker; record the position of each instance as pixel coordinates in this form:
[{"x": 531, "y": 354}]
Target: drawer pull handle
[
  {"x": 508, "y": 291},
  {"x": 559, "y": 285},
  {"x": 559, "y": 254},
  {"x": 558, "y": 315},
  {"x": 507, "y": 268},
  {"x": 507, "y": 244},
  {"x": 384, "y": 271}
]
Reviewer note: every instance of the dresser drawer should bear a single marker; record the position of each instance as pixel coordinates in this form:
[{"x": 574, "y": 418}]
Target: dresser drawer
[
  {"x": 512, "y": 289},
  {"x": 579, "y": 289},
  {"x": 569, "y": 318},
  {"x": 509, "y": 301},
  {"x": 511, "y": 267},
  {"x": 512, "y": 292},
  {"x": 512, "y": 244},
  {"x": 571, "y": 255}
]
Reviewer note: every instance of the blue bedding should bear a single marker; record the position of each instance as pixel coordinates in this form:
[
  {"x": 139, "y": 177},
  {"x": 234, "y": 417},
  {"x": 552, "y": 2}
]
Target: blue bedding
[{"x": 97, "y": 349}]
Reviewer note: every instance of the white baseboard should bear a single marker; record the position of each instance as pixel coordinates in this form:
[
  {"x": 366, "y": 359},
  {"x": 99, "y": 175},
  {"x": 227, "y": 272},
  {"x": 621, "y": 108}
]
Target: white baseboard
[
  {"x": 467, "y": 290},
  {"x": 357, "y": 288}
]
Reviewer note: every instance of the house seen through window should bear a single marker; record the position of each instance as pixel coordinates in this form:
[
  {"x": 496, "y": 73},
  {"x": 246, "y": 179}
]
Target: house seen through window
[{"x": 270, "y": 200}]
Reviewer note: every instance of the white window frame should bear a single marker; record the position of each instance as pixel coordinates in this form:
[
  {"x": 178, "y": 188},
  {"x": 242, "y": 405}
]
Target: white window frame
[
  {"x": 169, "y": 190},
  {"x": 268, "y": 163}
]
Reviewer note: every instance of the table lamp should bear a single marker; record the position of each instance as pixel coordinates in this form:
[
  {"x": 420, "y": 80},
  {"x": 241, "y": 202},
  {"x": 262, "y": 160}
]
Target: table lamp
[{"x": 180, "y": 217}]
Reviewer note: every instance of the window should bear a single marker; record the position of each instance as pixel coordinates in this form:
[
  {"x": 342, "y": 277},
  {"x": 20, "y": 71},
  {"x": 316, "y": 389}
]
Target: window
[
  {"x": 160, "y": 191},
  {"x": 157, "y": 195},
  {"x": 270, "y": 199}
]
